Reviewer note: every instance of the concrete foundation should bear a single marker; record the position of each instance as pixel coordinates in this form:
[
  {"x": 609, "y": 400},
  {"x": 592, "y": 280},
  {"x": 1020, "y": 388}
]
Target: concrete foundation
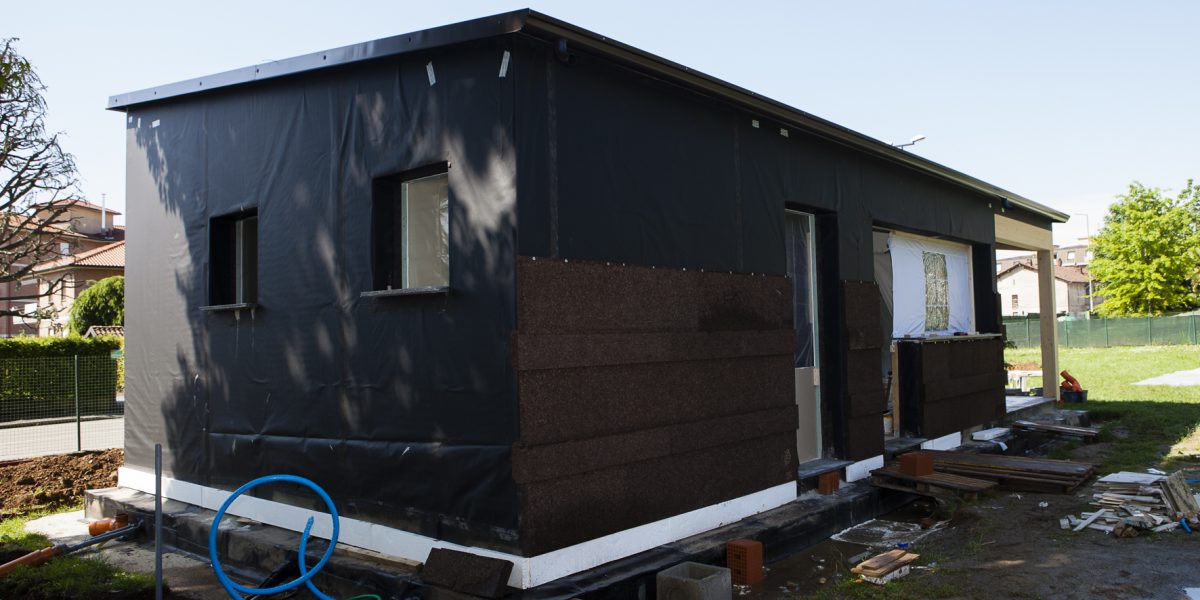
[{"x": 255, "y": 549}]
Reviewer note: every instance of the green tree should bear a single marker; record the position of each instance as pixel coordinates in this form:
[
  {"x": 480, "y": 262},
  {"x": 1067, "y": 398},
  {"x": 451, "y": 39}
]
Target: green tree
[
  {"x": 1147, "y": 255},
  {"x": 101, "y": 304}
]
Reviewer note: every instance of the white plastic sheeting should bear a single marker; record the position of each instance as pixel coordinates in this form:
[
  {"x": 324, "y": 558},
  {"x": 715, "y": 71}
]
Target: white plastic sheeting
[{"x": 909, "y": 286}]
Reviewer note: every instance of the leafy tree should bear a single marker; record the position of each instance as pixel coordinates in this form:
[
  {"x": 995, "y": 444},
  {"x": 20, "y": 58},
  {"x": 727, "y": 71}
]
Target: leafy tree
[
  {"x": 37, "y": 179},
  {"x": 101, "y": 304},
  {"x": 1147, "y": 255}
]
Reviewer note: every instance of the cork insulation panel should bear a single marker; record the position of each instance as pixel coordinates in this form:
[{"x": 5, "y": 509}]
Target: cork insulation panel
[
  {"x": 949, "y": 386},
  {"x": 646, "y": 393},
  {"x": 863, "y": 395}
]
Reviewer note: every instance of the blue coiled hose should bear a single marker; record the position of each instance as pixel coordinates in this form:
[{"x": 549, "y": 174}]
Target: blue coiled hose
[{"x": 305, "y": 575}]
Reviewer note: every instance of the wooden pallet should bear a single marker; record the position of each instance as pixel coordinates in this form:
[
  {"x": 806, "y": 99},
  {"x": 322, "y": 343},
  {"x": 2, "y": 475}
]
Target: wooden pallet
[
  {"x": 940, "y": 485},
  {"x": 1175, "y": 489},
  {"x": 1015, "y": 472}
]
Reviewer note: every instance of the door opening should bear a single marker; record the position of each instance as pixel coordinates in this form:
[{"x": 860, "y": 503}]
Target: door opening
[{"x": 801, "y": 268}]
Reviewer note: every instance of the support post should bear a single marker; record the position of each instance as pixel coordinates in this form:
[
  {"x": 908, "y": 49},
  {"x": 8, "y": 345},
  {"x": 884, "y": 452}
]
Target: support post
[
  {"x": 158, "y": 546},
  {"x": 1049, "y": 324},
  {"x": 78, "y": 427}
]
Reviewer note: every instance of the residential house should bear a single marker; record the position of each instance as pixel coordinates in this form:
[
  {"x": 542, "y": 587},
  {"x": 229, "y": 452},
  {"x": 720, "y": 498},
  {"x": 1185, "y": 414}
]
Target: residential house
[
  {"x": 1018, "y": 285},
  {"x": 76, "y": 272},
  {"x": 80, "y": 228},
  {"x": 512, "y": 287}
]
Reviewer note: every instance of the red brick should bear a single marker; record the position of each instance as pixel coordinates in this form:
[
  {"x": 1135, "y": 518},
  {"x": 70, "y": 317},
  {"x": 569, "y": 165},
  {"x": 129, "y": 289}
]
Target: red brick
[
  {"x": 916, "y": 464},
  {"x": 745, "y": 561},
  {"x": 828, "y": 483}
]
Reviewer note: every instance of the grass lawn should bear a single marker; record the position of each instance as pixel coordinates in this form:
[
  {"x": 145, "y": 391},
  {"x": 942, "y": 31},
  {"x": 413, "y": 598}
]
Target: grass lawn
[
  {"x": 1147, "y": 425},
  {"x": 64, "y": 577}
]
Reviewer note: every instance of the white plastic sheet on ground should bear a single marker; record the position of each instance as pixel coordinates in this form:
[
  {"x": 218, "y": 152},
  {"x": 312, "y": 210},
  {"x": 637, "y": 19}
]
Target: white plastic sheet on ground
[{"x": 909, "y": 285}]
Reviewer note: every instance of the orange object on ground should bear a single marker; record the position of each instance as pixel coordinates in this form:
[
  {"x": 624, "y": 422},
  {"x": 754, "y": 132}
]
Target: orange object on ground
[
  {"x": 108, "y": 524},
  {"x": 745, "y": 561},
  {"x": 1070, "y": 383},
  {"x": 917, "y": 464},
  {"x": 32, "y": 559}
]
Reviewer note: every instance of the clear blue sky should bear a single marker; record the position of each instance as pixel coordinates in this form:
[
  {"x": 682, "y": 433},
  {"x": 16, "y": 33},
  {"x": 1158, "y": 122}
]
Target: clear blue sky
[{"x": 1063, "y": 102}]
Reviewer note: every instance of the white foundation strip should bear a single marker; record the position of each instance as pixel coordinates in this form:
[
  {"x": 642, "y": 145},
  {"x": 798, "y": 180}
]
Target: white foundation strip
[{"x": 528, "y": 571}]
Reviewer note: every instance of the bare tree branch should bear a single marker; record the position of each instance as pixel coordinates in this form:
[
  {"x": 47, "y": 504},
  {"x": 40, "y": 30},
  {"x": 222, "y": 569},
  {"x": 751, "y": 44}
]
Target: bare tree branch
[{"x": 38, "y": 183}]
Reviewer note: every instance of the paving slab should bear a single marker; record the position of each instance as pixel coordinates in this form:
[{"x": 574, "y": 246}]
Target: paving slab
[{"x": 1176, "y": 379}]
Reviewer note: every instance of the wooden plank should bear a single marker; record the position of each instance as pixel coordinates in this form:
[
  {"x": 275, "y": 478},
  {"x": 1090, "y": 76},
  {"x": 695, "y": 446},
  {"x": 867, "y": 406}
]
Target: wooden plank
[
  {"x": 973, "y": 471},
  {"x": 882, "y": 564},
  {"x": 945, "y": 480},
  {"x": 1181, "y": 496},
  {"x": 894, "y": 390},
  {"x": 1063, "y": 429},
  {"x": 1088, "y": 521},
  {"x": 879, "y": 561},
  {"x": 1024, "y": 463},
  {"x": 913, "y": 488},
  {"x": 1129, "y": 477}
]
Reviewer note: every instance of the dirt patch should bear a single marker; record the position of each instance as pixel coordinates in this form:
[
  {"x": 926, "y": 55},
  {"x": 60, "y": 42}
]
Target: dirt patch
[
  {"x": 1016, "y": 546},
  {"x": 54, "y": 481},
  {"x": 1095, "y": 453}
]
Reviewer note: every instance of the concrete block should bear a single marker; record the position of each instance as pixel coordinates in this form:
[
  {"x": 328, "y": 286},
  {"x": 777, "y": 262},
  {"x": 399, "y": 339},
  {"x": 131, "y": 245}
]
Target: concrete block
[
  {"x": 694, "y": 581},
  {"x": 467, "y": 573}
]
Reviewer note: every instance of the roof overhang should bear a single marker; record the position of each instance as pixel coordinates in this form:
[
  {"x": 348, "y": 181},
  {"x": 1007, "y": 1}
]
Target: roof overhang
[{"x": 542, "y": 26}]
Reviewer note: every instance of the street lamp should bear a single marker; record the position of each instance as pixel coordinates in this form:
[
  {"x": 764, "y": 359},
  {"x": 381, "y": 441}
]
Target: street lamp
[{"x": 911, "y": 142}]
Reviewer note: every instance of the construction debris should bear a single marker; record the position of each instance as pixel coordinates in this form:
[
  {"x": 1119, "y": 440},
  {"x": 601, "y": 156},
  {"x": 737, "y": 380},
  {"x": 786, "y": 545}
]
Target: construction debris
[
  {"x": 1131, "y": 502},
  {"x": 885, "y": 567},
  {"x": 1087, "y": 433},
  {"x": 1015, "y": 472},
  {"x": 936, "y": 484}
]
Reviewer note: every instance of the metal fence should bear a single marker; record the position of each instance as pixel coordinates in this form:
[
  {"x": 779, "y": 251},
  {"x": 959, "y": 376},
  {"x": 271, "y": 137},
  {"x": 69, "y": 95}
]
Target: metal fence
[
  {"x": 1102, "y": 333},
  {"x": 51, "y": 405}
]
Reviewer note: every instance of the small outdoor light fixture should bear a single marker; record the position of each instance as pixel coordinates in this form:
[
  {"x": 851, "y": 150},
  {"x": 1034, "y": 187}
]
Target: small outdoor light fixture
[{"x": 913, "y": 141}]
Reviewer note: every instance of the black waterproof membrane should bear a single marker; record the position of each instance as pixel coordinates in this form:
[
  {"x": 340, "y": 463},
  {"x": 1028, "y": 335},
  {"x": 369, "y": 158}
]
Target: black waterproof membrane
[{"x": 403, "y": 403}]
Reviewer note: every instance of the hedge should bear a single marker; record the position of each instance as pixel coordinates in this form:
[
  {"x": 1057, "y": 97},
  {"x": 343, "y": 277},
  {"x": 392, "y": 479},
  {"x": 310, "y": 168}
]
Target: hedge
[
  {"x": 35, "y": 347},
  {"x": 37, "y": 377}
]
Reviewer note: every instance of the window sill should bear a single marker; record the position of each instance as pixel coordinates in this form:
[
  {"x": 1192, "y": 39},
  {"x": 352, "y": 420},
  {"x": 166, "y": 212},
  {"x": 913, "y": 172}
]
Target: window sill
[
  {"x": 420, "y": 291},
  {"x": 229, "y": 307}
]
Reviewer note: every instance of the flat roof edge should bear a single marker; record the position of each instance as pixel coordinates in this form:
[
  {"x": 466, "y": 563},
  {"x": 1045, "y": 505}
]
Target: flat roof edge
[
  {"x": 404, "y": 43},
  {"x": 536, "y": 24}
]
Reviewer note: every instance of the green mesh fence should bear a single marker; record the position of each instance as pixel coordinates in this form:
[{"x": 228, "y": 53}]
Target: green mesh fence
[
  {"x": 57, "y": 404},
  {"x": 1101, "y": 333}
]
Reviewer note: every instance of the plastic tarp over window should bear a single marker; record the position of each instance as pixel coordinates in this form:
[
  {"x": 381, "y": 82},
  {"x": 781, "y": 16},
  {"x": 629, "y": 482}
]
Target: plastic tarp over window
[{"x": 931, "y": 277}]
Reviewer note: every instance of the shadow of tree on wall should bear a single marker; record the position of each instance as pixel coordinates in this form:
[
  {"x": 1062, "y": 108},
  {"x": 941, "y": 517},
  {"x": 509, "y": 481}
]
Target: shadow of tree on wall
[{"x": 404, "y": 408}]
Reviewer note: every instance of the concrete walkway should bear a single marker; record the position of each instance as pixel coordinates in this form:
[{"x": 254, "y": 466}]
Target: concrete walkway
[
  {"x": 187, "y": 576},
  {"x": 1176, "y": 379}
]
